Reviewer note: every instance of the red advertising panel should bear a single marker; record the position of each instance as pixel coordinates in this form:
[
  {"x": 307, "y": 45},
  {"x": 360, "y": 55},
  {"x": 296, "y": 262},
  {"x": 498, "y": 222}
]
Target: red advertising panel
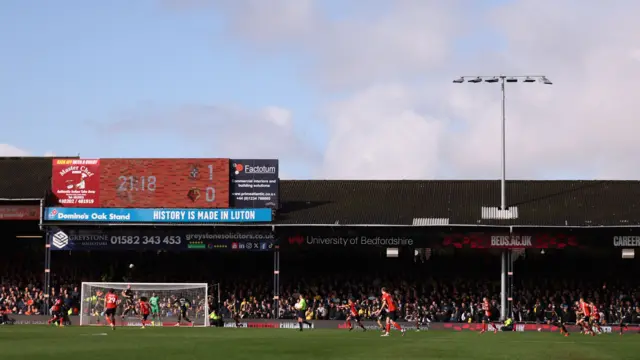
[
  {"x": 510, "y": 241},
  {"x": 76, "y": 182},
  {"x": 164, "y": 183},
  {"x": 19, "y": 212}
]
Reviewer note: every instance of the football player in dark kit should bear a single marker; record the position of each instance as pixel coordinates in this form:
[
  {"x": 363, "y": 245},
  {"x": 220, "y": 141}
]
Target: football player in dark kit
[
  {"x": 379, "y": 315},
  {"x": 234, "y": 314},
  {"x": 625, "y": 313},
  {"x": 557, "y": 320},
  {"x": 183, "y": 305},
  {"x": 129, "y": 304}
]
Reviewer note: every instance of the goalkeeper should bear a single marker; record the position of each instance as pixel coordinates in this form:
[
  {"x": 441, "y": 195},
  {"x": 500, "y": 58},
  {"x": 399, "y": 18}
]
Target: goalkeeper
[{"x": 154, "y": 301}]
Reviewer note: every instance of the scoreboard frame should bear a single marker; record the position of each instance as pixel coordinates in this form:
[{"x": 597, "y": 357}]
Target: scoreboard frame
[{"x": 141, "y": 183}]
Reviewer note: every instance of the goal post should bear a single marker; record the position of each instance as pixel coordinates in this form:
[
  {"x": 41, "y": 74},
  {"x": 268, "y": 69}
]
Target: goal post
[{"x": 197, "y": 294}]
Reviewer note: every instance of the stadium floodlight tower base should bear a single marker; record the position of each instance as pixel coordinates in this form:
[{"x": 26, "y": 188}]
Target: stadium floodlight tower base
[{"x": 92, "y": 302}]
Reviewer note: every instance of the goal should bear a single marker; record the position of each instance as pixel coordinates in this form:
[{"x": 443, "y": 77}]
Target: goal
[{"x": 93, "y": 293}]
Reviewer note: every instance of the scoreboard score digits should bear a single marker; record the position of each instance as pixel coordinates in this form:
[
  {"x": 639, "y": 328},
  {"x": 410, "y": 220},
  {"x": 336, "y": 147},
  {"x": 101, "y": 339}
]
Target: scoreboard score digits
[
  {"x": 142, "y": 183},
  {"x": 164, "y": 183}
]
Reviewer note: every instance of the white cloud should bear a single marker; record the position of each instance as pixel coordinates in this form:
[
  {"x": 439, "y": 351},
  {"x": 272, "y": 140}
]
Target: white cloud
[
  {"x": 10, "y": 150},
  {"x": 237, "y": 133},
  {"x": 7, "y": 150},
  {"x": 366, "y": 130},
  {"x": 400, "y": 116}
]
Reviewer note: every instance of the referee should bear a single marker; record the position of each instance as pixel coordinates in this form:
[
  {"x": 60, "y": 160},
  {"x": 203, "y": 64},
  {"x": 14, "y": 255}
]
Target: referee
[{"x": 301, "y": 312}]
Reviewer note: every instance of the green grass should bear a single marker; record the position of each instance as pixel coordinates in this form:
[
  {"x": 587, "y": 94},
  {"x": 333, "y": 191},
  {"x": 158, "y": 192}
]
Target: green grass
[{"x": 42, "y": 342}]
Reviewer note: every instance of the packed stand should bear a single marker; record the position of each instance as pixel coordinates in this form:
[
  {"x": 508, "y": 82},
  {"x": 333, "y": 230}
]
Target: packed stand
[{"x": 438, "y": 290}]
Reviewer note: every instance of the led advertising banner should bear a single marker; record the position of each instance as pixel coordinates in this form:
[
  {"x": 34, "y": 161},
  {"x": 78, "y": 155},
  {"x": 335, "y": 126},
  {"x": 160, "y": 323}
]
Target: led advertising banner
[
  {"x": 511, "y": 241},
  {"x": 76, "y": 182},
  {"x": 173, "y": 239},
  {"x": 19, "y": 212},
  {"x": 254, "y": 183},
  {"x": 125, "y": 215}
]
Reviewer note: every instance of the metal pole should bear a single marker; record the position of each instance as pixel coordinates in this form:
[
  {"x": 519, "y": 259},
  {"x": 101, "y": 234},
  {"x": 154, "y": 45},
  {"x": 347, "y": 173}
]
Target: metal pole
[
  {"x": 503, "y": 287},
  {"x": 503, "y": 204},
  {"x": 219, "y": 295},
  {"x": 276, "y": 283},
  {"x": 503, "y": 179},
  {"x": 510, "y": 283},
  {"x": 47, "y": 274}
]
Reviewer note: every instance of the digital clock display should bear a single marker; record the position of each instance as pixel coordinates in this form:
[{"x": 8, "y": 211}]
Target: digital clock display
[{"x": 164, "y": 183}]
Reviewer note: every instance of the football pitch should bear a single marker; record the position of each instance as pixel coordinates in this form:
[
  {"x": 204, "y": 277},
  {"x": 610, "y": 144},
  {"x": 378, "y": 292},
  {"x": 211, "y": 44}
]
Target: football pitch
[{"x": 98, "y": 343}]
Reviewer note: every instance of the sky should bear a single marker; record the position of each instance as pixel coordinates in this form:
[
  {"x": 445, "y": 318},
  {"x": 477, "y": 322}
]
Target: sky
[{"x": 335, "y": 89}]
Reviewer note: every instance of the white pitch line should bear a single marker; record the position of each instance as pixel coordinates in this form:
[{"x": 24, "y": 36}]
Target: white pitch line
[{"x": 435, "y": 339}]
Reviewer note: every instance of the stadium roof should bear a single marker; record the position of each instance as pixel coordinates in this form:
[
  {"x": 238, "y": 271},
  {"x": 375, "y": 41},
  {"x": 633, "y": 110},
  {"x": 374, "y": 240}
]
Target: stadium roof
[
  {"x": 454, "y": 202},
  {"x": 407, "y": 203},
  {"x": 24, "y": 177}
]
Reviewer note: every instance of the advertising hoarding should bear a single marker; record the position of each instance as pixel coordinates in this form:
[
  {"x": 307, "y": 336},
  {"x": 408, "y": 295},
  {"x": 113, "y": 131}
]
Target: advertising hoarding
[
  {"x": 254, "y": 183},
  {"x": 171, "y": 239},
  {"x": 150, "y": 216},
  {"x": 329, "y": 324},
  {"x": 510, "y": 241},
  {"x": 76, "y": 182},
  {"x": 19, "y": 212}
]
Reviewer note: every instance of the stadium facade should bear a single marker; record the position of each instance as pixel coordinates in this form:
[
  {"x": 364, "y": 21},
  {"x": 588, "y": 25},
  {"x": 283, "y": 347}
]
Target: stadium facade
[{"x": 390, "y": 217}]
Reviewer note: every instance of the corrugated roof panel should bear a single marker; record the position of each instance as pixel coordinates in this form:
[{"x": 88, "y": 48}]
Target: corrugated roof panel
[{"x": 430, "y": 221}]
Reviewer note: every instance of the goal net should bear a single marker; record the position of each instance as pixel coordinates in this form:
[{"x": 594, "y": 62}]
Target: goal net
[{"x": 169, "y": 295}]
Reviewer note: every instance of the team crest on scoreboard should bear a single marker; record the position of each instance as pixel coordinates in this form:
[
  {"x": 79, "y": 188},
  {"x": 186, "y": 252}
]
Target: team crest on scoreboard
[
  {"x": 194, "y": 174},
  {"x": 193, "y": 194}
]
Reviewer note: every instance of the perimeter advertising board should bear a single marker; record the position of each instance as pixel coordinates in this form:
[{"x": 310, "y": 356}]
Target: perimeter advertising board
[
  {"x": 329, "y": 324},
  {"x": 170, "y": 238},
  {"x": 349, "y": 241},
  {"x": 254, "y": 183},
  {"x": 426, "y": 239},
  {"x": 76, "y": 182},
  {"x": 19, "y": 212},
  {"x": 485, "y": 240},
  {"x": 626, "y": 241}
]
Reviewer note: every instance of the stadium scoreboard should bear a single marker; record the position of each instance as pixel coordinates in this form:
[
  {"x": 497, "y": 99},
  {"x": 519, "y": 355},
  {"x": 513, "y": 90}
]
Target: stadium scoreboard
[
  {"x": 141, "y": 183},
  {"x": 165, "y": 183}
]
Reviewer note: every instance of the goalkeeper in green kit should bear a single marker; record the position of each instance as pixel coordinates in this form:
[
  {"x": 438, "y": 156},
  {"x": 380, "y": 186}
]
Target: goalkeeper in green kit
[{"x": 154, "y": 301}]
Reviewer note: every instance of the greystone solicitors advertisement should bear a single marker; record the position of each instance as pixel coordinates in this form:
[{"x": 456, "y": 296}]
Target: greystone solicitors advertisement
[
  {"x": 171, "y": 239},
  {"x": 254, "y": 184}
]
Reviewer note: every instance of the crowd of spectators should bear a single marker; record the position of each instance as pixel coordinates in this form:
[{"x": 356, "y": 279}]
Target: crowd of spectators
[
  {"x": 443, "y": 288},
  {"x": 452, "y": 302}
]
